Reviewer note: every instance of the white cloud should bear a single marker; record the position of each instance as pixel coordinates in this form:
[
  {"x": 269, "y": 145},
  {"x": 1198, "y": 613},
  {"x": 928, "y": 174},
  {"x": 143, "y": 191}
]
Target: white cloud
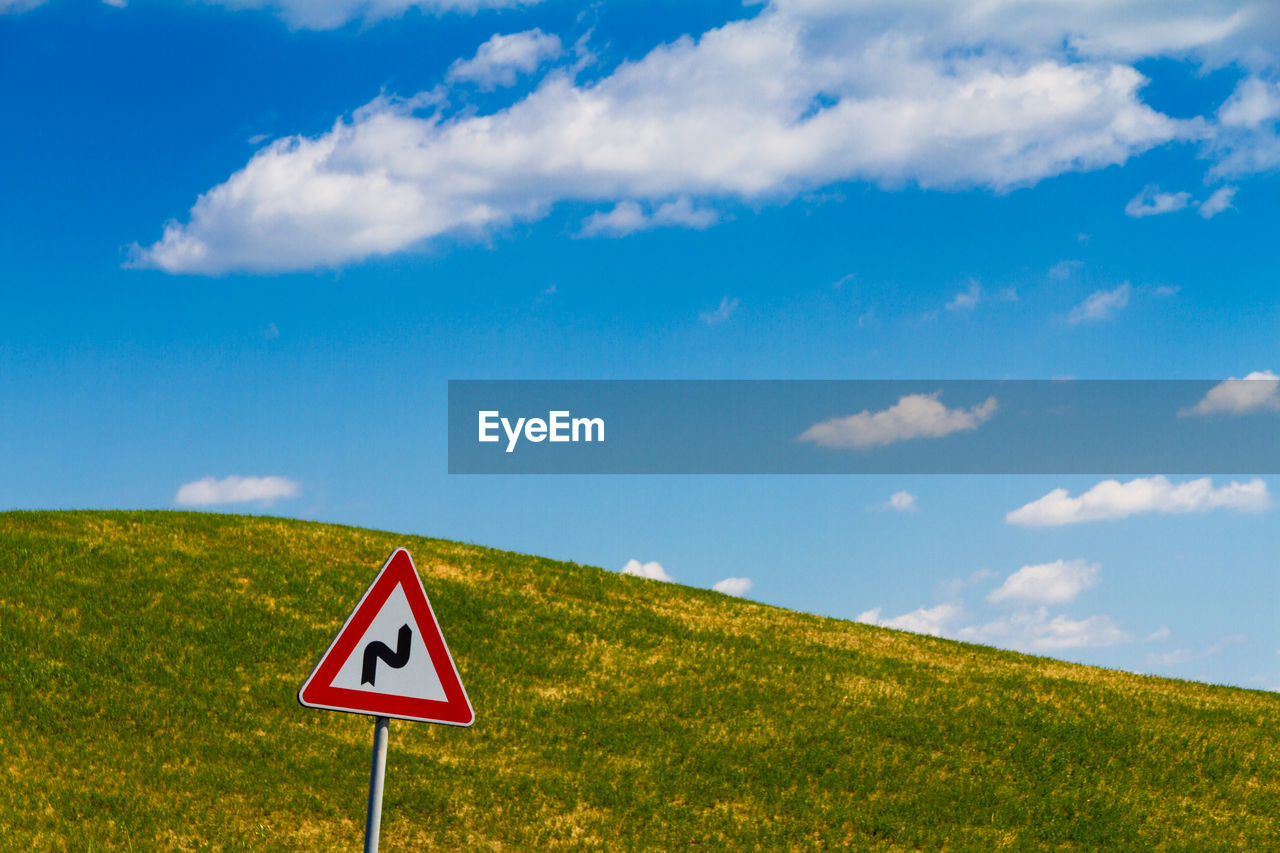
[
  {"x": 1256, "y": 392},
  {"x": 1247, "y": 139},
  {"x": 1101, "y": 305},
  {"x": 1112, "y": 499},
  {"x": 1033, "y": 630},
  {"x": 1219, "y": 201},
  {"x": 902, "y": 501},
  {"x": 1058, "y": 582},
  {"x": 721, "y": 313},
  {"x": 734, "y": 586},
  {"x": 1063, "y": 270},
  {"x": 1178, "y": 656},
  {"x": 913, "y": 416},
  {"x": 1161, "y": 633},
  {"x": 965, "y": 300},
  {"x": 503, "y": 58},
  {"x": 951, "y": 589},
  {"x": 327, "y": 14},
  {"x": 924, "y": 620},
  {"x": 230, "y": 490},
  {"x": 1254, "y": 103},
  {"x": 652, "y": 571},
  {"x": 1152, "y": 202},
  {"x": 627, "y": 217},
  {"x": 13, "y": 7},
  {"x": 804, "y": 94}
]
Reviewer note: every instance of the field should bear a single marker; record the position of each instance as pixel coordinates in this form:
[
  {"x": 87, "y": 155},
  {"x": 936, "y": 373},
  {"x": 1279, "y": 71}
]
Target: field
[{"x": 149, "y": 661}]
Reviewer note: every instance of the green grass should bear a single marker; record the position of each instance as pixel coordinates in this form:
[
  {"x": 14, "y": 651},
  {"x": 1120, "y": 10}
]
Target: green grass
[{"x": 149, "y": 660}]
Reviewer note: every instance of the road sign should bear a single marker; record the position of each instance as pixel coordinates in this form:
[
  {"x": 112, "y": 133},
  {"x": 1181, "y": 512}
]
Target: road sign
[{"x": 390, "y": 659}]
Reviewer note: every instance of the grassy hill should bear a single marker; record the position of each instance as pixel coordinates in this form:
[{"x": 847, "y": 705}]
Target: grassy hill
[{"x": 149, "y": 660}]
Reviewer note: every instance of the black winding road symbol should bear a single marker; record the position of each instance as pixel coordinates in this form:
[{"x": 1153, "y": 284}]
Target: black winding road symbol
[{"x": 380, "y": 651}]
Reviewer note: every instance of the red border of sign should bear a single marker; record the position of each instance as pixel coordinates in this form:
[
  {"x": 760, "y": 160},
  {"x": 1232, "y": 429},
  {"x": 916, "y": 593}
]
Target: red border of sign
[{"x": 318, "y": 690}]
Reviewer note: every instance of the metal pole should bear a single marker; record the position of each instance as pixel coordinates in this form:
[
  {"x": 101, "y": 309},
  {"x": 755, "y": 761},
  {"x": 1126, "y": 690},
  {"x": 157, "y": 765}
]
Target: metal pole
[{"x": 373, "y": 818}]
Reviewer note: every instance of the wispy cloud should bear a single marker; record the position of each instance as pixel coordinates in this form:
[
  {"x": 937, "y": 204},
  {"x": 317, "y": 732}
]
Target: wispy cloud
[
  {"x": 1219, "y": 201},
  {"x": 1247, "y": 139},
  {"x": 503, "y": 58},
  {"x": 1179, "y": 656},
  {"x": 1063, "y": 270},
  {"x": 1152, "y": 202},
  {"x": 721, "y": 313},
  {"x": 627, "y": 217},
  {"x": 1111, "y": 500},
  {"x": 1256, "y": 392},
  {"x": 231, "y": 490},
  {"x": 1035, "y": 630},
  {"x": 913, "y": 416},
  {"x": 966, "y": 300},
  {"x": 328, "y": 14},
  {"x": 1101, "y": 305}
]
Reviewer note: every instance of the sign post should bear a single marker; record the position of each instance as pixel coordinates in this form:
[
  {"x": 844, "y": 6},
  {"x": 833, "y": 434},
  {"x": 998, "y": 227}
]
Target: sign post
[
  {"x": 373, "y": 816},
  {"x": 389, "y": 659}
]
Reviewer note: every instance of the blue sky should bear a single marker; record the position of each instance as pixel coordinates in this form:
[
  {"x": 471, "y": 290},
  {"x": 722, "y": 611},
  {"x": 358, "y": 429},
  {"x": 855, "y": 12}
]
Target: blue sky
[{"x": 657, "y": 190}]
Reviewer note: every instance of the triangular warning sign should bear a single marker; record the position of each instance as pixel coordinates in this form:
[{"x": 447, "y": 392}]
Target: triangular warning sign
[{"x": 390, "y": 659}]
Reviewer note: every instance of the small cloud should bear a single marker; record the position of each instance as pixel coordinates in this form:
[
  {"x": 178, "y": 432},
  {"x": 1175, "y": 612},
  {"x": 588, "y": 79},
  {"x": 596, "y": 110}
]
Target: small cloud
[
  {"x": 231, "y": 490},
  {"x": 866, "y": 318},
  {"x": 1058, "y": 582},
  {"x": 1257, "y": 392},
  {"x": 734, "y": 586},
  {"x": 271, "y": 332},
  {"x": 259, "y": 138},
  {"x": 902, "y": 501},
  {"x": 924, "y": 620},
  {"x": 1152, "y": 202},
  {"x": 627, "y": 217},
  {"x": 1033, "y": 630},
  {"x": 1165, "y": 291},
  {"x": 550, "y": 290},
  {"x": 721, "y": 313},
  {"x": 1254, "y": 103},
  {"x": 952, "y": 588},
  {"x": 1007, "y": 294},
  {"x": 967, "y": 299},
  {"x": 1159, "y": 634},
  {"x": 1218, "y": 202},
  {"x": 1111, "y": 500},
  {"x": 1083, "y": 237},
  {"x": 1101, "y": 305},
  {"x": 1063, "y": 270},
  {"x": 682, "y": 212},
  {"x": 842, "y": 281},
  {"x": 652, "y": 571},
  {"x": 1178, "y": 656},
  {"x": 913, "y": 416},
  {"x": 501, "y": 59}
]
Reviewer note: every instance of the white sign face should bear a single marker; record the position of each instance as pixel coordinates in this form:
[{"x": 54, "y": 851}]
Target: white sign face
[
  {"x": 390, "y": 659},
  {"x": 372, "y": 669}
]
